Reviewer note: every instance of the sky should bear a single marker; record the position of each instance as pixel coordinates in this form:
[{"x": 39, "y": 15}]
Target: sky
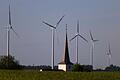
[{"x": 34, "y": 45}]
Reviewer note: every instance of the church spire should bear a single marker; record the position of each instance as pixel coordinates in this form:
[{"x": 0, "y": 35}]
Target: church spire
[{"x": 66, "y": 59}]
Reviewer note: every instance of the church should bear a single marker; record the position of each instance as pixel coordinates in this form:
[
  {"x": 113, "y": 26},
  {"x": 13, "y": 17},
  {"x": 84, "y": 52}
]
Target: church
[{"x": 65, "y": 64}]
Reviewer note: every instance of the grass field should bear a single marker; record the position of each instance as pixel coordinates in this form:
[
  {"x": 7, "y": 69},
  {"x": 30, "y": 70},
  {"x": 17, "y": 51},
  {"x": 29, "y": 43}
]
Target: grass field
[{"x": 36, "y": 75}]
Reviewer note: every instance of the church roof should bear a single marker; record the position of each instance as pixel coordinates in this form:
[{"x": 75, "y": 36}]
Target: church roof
[{"x": 66, "y": 58}]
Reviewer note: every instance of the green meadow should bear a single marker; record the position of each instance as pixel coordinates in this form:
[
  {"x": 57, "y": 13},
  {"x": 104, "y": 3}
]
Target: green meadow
[{"x": 55, "y": 75}]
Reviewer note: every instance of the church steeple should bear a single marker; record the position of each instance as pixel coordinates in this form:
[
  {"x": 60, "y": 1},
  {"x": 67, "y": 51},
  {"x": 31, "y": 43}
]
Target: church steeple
[{"x": 66, "y": 58}]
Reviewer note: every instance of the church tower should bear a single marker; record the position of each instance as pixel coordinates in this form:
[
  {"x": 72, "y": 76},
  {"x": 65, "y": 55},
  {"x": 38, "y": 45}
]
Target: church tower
[{"x": 65, "y": 63}]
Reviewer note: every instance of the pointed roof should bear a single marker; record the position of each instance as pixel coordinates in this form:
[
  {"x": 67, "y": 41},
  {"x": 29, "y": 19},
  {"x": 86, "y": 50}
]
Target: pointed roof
[{"x": 66, "y": 58}]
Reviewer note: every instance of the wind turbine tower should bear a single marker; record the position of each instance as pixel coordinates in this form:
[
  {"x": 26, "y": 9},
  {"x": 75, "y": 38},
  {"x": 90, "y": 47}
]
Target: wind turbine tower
[
  {"x": 9, "y": 28},
  {"x": 92, "y": 48},
  {"x": 53, "y": 36},
  {"x": 77, "y": 36}
]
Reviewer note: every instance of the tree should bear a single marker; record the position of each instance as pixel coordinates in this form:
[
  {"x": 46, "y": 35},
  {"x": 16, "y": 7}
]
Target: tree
[
  {"x": 9, "y": 62},
  {"x": 76, "y": 67},
  {"x": 87, "y": 68},
  {"x": 112, "y": 68},
  {"x": 82, "y": 68}
]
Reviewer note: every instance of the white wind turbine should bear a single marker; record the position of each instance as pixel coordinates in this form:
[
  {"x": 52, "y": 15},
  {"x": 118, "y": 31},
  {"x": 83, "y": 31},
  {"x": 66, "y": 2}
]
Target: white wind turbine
[
  {"x": 109, "y": 54},
  {"x": 77, "y": 36},
  {"x": 9, "y": 28},
  {"x": 53, "y": 35},
  {"x": 92, "y": 48}
]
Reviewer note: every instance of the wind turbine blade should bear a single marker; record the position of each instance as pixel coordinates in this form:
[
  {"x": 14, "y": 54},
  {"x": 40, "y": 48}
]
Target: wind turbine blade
[
  {"x": 59, "y": 21},
  {"x": 5, "y": 27},
  {"x": 9, "y": 16},
  {"x": 14, "y": 32},
  {"x": 91, "y": 35},
  {"x": 49, "y": 24},
  {"x": 83, "y": 38},
  {"x": 78, "y": 26},
  {"x": 110, "y": 56},
  {"x": 109, "y": 49},
  {"x": 95, "y": 40},
  {"x": 73, "y": 37},
  {"x": 107, "y": 53}
]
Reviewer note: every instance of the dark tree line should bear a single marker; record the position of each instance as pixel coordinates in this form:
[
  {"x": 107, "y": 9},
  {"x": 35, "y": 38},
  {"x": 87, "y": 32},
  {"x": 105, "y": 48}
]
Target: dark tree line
[
  {"x": 43, "y": 67},
  {"x": 112, "y": 68},
  {"x": 88, "y": 68},
  {"x": 9, "y": 62},
  {"x": 82, "y": 68}
]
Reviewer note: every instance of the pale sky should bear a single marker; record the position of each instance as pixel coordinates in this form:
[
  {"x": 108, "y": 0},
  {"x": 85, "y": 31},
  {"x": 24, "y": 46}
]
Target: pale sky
[{"x": 34, "y": 44}]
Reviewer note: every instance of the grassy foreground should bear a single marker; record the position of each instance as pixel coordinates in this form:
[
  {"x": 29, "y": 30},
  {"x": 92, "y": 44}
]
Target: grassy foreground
[{"x": 36, "y": 75}]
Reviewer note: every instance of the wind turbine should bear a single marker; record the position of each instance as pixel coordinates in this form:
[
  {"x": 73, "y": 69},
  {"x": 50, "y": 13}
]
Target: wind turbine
[
  {"x": 109, "y": 54},
  {"x": 9, "y": 28},
  {"x": 53, "y": 36},
  {"x": 92, "y": 47},
  {"x": 77, "y": 36}
]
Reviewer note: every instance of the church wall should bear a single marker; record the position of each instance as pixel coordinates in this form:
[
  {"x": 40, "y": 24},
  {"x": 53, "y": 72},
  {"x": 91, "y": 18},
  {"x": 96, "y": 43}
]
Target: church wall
[{"x": 62, "y": 67}]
